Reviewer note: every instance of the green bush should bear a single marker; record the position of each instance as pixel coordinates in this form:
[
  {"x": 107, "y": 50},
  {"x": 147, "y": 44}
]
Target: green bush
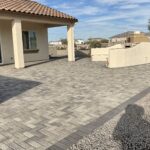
[{"x": 95, "y": 44}]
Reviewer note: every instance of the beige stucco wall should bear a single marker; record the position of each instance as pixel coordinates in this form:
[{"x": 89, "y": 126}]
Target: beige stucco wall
[
  {"x": 7, "y": 43},
  {"x": 137, "y": 55},
  {"x": 99, "y": 54},
  {"x": 102, "y": 54}
]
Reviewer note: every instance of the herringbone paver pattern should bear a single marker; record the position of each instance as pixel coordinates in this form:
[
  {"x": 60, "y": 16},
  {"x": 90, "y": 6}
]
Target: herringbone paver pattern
[{"x": 43, "y": 104}]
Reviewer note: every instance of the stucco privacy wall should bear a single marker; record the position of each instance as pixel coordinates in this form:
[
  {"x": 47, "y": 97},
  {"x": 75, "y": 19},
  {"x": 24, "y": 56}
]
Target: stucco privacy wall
[
  {"x": 7, "y": 43},
  {"x": 99, "y": 54},
  {"x": 102, "y": 54},
  {"x": 137, "y": 55}
]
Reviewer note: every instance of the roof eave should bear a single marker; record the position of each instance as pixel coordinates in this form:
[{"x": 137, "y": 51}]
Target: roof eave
[
  {"x": 40, "y": 17},
  {"x": 33, "y": 14}
]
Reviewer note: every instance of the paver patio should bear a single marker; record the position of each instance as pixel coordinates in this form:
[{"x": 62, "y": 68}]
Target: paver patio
[
  {"x": 43, "y": 104},
  {"x": 126, "y": 129}
]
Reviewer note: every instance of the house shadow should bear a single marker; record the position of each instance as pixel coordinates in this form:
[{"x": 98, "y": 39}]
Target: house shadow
[
  {"x": 78, "y": 53},
  {"x": 11, "y": 87},
  {"x": 36, "y": 64},
  {"x": 81, "y": 55},
  {"x": 52, "y": 58},
  {"x": 132, "y": 131}
]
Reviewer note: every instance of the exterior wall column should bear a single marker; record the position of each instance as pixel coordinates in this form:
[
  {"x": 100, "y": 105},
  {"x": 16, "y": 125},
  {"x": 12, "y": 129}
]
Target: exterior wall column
[
  {"x": 70, "y": 37},
  {"x": 18, "y": 44}
]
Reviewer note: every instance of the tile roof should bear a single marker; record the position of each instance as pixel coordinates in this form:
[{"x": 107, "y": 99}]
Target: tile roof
[
  {"x": 125, "y": 34},
  {"x": 32, "y": 7}
]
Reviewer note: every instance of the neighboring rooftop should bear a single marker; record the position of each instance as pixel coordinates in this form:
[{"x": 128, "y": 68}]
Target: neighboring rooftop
[
  {"x": 125, "y": 34},
  {"x": 128, "y": 33},
  {"x": 33, "y": 8}
]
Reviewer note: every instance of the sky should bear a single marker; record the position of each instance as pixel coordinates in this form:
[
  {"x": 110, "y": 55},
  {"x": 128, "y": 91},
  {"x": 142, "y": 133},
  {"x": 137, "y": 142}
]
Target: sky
[{"x": 101, "y": 18}]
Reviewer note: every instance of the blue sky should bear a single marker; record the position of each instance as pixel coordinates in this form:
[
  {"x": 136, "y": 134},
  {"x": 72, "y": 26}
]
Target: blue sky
[{"x": 101, "y": 18}]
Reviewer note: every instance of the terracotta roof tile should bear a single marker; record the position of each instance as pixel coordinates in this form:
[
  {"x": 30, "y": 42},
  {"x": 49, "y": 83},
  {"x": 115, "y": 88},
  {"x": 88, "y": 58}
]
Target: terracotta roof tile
[{"x": 32, "y": 7}]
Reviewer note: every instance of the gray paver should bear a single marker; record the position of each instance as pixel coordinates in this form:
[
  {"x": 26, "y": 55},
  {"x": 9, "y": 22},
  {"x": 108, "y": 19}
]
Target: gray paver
[
  {"x": 129, "y": 129},
  {"x": 53, "y": 100}
]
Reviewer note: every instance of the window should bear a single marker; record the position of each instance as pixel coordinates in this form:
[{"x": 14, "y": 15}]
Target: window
[
  {"x": 0, "y": 55},
  {"x": 29, "y": 40}
]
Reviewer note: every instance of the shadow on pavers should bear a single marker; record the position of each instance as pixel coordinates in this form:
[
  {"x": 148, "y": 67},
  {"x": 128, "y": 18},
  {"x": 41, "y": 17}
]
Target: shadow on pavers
[
  {"x": 11, "y": 87},
  {"x": 132, "y": 130},
  {"x": 81, "y": 55},
  {"x": 78, "y": 54},
  {"x": 36, "y": 64},
  {"x": 52, "y": 58},
  {"x": 83, "y": 131}
]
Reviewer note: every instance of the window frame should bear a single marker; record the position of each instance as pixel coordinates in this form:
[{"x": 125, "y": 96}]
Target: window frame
[{"x": 28, "y": 40}]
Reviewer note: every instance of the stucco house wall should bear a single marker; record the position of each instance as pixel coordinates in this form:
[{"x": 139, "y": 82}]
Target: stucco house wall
[
  {"x": 119, "y": 40},
  {"x": 42, "y": 42},
  {"x": 7, "y": 43},
  {"x": 34, "y": 18}
]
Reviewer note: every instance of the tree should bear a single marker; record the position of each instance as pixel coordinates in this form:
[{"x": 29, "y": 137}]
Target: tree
[
  {"x": 104, "y": 41},
  {"x": 64, "y": 41},
  {"x": 95, "y": 44},
  {"x": 149, "y": 25}
]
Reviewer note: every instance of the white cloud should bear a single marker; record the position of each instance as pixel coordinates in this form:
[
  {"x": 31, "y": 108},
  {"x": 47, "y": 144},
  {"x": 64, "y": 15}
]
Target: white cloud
[
  {"x": 122, "y": 1},
  {"x": 129, "y": 6},
  {"x": 85, "y": 10},
  {"x": 78, "y": 9},
  {"x": 42, "y": 1},
  {"x": 108, "y": 1},
  {"x": 104, "y": 17}
]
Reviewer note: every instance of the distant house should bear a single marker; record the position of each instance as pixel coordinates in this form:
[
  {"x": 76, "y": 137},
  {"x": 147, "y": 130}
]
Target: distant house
[
  {"x": 79, "y": 41},
  {"x": 129, "y": 37},
  {"x": 55, "y": 43},
  {"x": 96, "y": 39},
  {"x": 120, "y": 38},
  {"x": 23, "y": 31}
]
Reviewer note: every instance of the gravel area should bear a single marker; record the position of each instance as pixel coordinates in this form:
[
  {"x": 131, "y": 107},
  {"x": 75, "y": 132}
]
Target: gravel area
[{"x": 130, "y": 130}]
